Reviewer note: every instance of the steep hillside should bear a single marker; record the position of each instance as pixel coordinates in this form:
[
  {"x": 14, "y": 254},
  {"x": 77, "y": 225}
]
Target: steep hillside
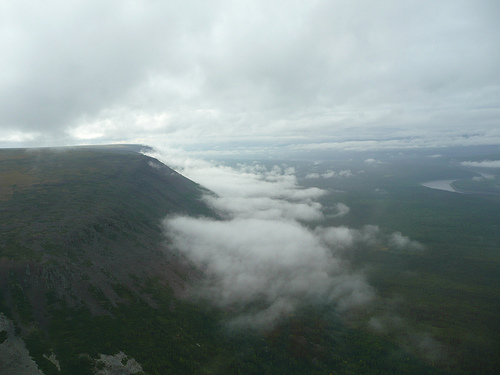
[{"x": 81, "y": 232}]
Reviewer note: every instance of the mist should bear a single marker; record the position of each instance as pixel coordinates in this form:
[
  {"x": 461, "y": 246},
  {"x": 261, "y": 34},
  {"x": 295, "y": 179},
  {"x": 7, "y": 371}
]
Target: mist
[
  {"x": 271, "y": 253},
  {"x": 277, "y": 264}
]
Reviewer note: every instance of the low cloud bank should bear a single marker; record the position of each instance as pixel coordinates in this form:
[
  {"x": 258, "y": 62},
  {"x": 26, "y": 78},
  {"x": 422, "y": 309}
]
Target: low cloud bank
[
  {"x": 275, "y": 264},
  {"x": 251, "y": 191},
  {"x": 269, "y": 256}
]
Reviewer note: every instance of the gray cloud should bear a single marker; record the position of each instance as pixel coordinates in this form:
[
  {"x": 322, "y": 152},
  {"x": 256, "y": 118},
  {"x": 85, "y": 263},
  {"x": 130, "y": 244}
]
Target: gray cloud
[{"x": 274, "y": 74}]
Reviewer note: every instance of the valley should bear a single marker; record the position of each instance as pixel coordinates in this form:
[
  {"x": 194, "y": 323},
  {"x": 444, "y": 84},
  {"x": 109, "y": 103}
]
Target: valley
[{"x": 89, "y": 276}]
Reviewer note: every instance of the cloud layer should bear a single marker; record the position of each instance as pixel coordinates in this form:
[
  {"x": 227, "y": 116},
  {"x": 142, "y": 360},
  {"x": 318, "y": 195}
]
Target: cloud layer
[
  {"x": 270, "y": 255},
  {"x": 482, "y": 164},
  {"x": 278, "y": 265},
  {"x": 250, "y": 74}
]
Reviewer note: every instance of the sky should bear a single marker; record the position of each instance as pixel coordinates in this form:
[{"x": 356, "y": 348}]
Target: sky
[{"x": 226, "y": 77}]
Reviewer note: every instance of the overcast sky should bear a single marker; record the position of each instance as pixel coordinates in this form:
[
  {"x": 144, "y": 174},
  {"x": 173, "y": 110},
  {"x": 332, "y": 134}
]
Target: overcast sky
[{"x": 236, "y": 75}]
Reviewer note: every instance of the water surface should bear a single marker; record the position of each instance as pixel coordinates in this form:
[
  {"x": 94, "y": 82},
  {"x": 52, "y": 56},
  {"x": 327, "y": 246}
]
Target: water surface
[{"x": 441, "y": 185}]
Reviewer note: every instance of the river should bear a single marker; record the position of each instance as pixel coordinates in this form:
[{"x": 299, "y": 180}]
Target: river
[{"x": 441, "y": 185}]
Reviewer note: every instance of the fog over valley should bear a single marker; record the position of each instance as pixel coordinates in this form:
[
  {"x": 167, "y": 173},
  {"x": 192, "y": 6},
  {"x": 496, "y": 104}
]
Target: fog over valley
[{"x": 274, "y": 252}]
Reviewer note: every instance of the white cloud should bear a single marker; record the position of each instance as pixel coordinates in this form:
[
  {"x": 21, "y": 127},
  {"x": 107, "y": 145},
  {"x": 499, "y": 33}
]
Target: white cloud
[
  {"x": 408, "y": 140},
  {"x": 262, "y": 207},
  {"x": 341, "y": 209},
  {"x": 343, "y": 173},
  {"x": 18, "y": 136},
  {"x": 342, "y": 239},
  {"x": 280, "y": 264},
  {"x": 261, "y": 253},
  {"x": 330, "y": 174},
  {"x": 262, "y": 263},
  {"x": 400, "y": 242},
  {"x": 339, "y": 238},
  {"x": 312, "y": 175},
  {"x": 482, "y": 164},
  {"x": 252, "y": 191}
]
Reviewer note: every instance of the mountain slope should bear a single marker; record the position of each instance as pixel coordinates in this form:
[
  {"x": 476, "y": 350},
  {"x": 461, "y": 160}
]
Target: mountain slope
[{"x": 81, "y": 232}]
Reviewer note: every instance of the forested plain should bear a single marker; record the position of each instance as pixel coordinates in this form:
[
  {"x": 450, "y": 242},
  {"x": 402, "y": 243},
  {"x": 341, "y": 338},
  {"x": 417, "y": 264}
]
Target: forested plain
[{"x": 451, "y": 289}]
